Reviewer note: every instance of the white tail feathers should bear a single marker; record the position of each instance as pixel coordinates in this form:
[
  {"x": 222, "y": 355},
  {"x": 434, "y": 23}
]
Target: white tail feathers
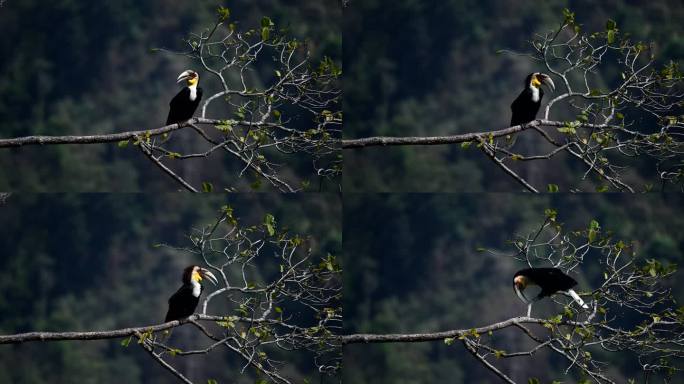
[{"x": 578, "y": 299}]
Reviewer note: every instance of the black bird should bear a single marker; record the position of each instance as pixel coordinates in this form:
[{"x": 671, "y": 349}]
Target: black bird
[
  {"x": 547, "y": 282},
  {"x": 183, "y": 303},
  {"x": 526, "y": 105},
  {"x": 185, "y": 103}
]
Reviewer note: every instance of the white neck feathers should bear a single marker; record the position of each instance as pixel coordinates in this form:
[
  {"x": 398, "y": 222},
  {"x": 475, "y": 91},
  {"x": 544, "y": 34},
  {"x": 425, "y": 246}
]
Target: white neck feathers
[
  {"x": 535, "y": 93},
  {"x": 196, "y": 288},
  {"x": 193, "y": 92}
]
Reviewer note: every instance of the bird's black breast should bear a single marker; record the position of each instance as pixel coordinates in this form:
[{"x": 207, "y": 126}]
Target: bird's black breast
[
  {"x": 524, "y": 109},
  {"x": 182, "y": 304},
  {"x": 181, "y": 108}
]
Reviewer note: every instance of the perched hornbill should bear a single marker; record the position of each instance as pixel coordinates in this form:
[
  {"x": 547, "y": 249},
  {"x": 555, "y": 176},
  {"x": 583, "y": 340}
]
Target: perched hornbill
[
  {"x": 526, "y": 105},
  {"x": 183, "y": 303},
  {"x": 547, "y": 282},
  {"x": 184, "y": 104}
]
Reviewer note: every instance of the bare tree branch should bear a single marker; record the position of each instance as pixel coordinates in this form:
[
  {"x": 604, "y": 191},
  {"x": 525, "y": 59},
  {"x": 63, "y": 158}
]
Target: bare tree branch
[
  {"x": 146, "y": 150},
  {"x": 99, "y": 335},
  {"x": 366, "y": 338},
  {"x": 441, "y": 140}
]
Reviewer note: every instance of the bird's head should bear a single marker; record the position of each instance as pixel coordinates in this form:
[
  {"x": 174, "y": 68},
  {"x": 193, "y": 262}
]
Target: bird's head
[
  {"x": 196, "y": 273},
  {"x": 190, "y": 77},
  {"x": 520, "y": 282},
  {"x": 538, "y": 79}
]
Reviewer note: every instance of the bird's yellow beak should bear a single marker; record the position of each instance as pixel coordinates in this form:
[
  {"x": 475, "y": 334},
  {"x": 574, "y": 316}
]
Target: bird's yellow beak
[
  {"x": 543, "y": 79},
  {"x": 205, "y": 273},
  {"x": 189, "y": 76}
]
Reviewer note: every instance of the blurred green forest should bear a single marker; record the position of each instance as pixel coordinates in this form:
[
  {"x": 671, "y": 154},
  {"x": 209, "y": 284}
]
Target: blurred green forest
[
  {"x": 418, "y": 68},
  {"x": 75, "y": 67},
  {"x": 412, "y": 265},
  {"x": 89, "y": 262}
]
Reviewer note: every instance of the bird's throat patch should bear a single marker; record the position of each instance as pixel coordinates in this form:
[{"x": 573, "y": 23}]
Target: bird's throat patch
[
  {"x": 196, "y": 276},
  {"x": 535, "y": 82}
]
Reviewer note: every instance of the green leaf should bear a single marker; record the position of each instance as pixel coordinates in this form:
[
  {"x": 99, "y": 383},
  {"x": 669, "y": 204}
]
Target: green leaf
[
  {"x": 552, "y": 188},
  {"x": 223, "y": 13},
  {"x": 122, "y": 143},
  {"x": 449, "y": 340},
  {"x": 212, "y": 381},
  {"x": 240, "y": 112},
  {"x": 602, "y": 188},
  {"x": 269, "y": 222},
  {"x": 567, "y": 130},
  {"x": 610, "y": 36},
  {"x": 225, "y": 126},
  {"x": 611, "y": 25},
  {"x": 569, "y": 16},
  {"x": 125, "y": 342},
  {"x": 265, "y": 33},
  {"x": 266, "y": 22},
  {"x": 207, "y": 187},
  {"x": 466, "y": 144},
  {"x": 594, "y": 228},
  {"x": 550, "y": 214}
]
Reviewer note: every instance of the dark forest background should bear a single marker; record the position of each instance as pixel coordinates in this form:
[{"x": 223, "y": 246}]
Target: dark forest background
[
  {"x": 412, "y": 265},
  {"x": 425, "y": 68},
  {"x": 78, "y": 262},
  {"x": 74, "y": 67}
]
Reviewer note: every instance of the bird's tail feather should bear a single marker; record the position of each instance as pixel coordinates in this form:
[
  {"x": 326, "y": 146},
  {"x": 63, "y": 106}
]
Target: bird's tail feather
[{"x": 578, "y": 299}]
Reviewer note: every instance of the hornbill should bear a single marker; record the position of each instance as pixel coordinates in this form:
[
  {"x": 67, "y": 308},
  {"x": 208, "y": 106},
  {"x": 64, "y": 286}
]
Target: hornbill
[
  {"x": 184, "y": 104},
  {"x": 183, "y": 303},
  {"x": 526, "y": 105},
  {"x": 545, "y": 282}
]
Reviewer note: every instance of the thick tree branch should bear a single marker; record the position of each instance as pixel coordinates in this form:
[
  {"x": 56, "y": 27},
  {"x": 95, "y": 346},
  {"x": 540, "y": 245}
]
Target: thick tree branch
[
  {"x": 98, "y": 139},
  {"x": 453, "y": 139},
  {"x": 100, "y": 335},
  {"x": 433, "y": 336}
]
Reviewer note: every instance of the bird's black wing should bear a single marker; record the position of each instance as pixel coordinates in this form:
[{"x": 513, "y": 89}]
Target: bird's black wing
[
  {"x": 516, "y": 106},
  {"x": 555, "y": 280},
  {"x": 523, "y": 109},
  {"x": 181, "y": 304}
]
